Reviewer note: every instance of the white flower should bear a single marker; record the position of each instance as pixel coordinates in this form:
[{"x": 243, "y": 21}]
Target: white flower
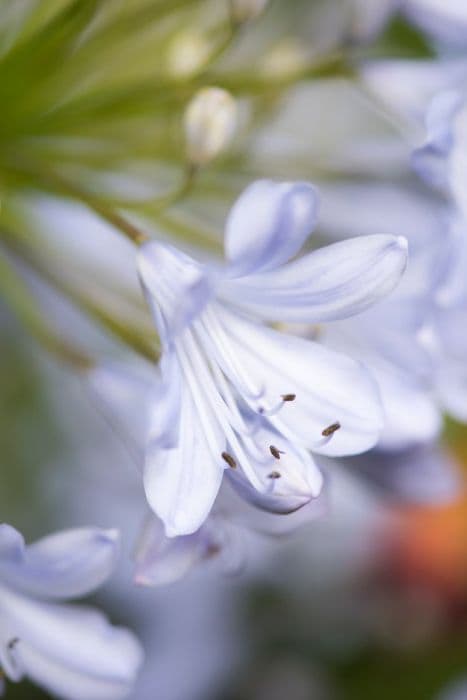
[
  {"x": 236, "y": 394},
  {"x": 73, "y": 652}
]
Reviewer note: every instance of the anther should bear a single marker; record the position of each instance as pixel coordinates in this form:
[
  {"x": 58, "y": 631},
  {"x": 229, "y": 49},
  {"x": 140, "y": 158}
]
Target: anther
[
  {"x": 229, "y": 459},
  {"x": 285, "y": 398},
  {"x": 275, "y": 452},
  {"x": 12, "y": 643},
  {"x": 331, "y": 429},
  {"x": 274, "y": 475}
]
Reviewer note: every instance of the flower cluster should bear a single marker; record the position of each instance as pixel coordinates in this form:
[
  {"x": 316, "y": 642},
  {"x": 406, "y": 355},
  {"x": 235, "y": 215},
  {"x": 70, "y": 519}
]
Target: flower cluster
[{"x": 330, "y": 332}]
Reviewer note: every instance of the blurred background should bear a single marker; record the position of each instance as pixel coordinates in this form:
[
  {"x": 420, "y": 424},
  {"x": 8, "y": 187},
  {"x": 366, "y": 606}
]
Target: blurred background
[{"x": 367, "y": 601}]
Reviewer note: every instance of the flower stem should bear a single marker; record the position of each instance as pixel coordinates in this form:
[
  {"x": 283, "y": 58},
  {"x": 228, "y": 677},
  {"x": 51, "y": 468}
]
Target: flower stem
[
  {"x": 141, "y": 343},
  {"x": 22, "y": 301}
]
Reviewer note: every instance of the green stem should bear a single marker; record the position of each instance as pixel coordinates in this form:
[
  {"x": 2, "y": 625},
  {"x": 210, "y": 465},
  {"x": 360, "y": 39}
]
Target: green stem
[
  {"x": 22, "y": 301},
  {"x": 143, "y": 345}
]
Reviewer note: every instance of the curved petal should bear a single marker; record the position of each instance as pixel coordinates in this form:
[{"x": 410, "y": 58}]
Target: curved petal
[
  {"x": 67, "y": 683},
  {"x": 64, "y": 565},
  {"x": 176, "y": 286},
  {"x": 340, "y": 280},
  {"x": 181, "y": 483},
  {"x": 72, "y": 651},
  {"x": 329, "y": 388},
  {"x": 268, "y": 225},
  {"x": 290, "y": 478},
  {"x": 161, "y": 560}
]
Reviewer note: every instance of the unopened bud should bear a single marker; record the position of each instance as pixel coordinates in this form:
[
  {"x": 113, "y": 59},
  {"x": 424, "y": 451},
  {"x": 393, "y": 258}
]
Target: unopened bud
[
  {"x": 285, "y": 59},
  {"x": 210, "y": 122},
  {"x": 244, "y": 10},
  {"x": 188, "y": 53}
]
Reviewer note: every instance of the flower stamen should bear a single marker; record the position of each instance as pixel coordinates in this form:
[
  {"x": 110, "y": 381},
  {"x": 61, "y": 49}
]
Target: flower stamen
[
  {"x": 331, "y": 429},
  {"x": 229, "y": 459},
  {"x": 285, "y": 398},
  {"x": 276, "y": 453}
]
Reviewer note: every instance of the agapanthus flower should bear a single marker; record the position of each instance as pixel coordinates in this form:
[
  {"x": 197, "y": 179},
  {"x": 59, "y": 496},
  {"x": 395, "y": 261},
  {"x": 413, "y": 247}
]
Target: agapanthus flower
[
  {"x": 123, "y": 392},
  {"x": 237, "y": 395},
  {"x": 72, "y": 652}
]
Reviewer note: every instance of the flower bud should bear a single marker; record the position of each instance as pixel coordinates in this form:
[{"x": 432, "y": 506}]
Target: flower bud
[
  {"x": 187, "y": 54},
  {"x": 210, "y": 121},
  {"x": 244, "y": 10}
]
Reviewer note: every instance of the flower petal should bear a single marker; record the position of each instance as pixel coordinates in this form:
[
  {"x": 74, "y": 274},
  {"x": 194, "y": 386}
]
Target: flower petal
[
  {"x": 181, "y": 483},
  {"x": 291, "y": 478},
  {"x": 71, "y": 651},
  {"x": 329, "y": 387},
  {"x": 340, "y": 280},
  {"x": 268, "y": 225},
  {"x": 430, "y": 161},
  {"x": 66, "y": 564},
  {"x": 177, "y": 287},
  {"x": 161, "y": 560}
]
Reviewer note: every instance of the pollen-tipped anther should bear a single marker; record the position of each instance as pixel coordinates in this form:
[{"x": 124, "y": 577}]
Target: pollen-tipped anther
[
  {"x": 285, "y": 398},
  {"x": 275, "y": 452},
  {"x": 229, "y": 459},
  {"x": 331, "y": 429},
  {"x": 274, "y": 475}
]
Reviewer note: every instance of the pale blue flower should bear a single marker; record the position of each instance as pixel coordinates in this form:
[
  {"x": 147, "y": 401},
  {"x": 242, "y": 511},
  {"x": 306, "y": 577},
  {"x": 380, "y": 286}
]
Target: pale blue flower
[
  {"x": 236, "y": 394},
  {"x": 124, "y": 393},
  {"x": 72, "y": 652}
]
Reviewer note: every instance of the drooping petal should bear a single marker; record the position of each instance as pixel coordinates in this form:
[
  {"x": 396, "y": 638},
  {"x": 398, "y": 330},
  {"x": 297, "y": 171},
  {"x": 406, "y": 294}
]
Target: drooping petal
[
  {"x": 177, "y": 287},
  {"x": 68, "y": 683},
  {"x": 71, "y": 651},
  {"x": 288, "y": 474},
  {"x": 340, "y": 280},
  {"x": 67, "y": 564},
  {"x": 268, "y": 225},
  {"x": 181, "y": 483},
  {"x": 329, "y": 387},
  {"x": 161, "y": 560}
]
